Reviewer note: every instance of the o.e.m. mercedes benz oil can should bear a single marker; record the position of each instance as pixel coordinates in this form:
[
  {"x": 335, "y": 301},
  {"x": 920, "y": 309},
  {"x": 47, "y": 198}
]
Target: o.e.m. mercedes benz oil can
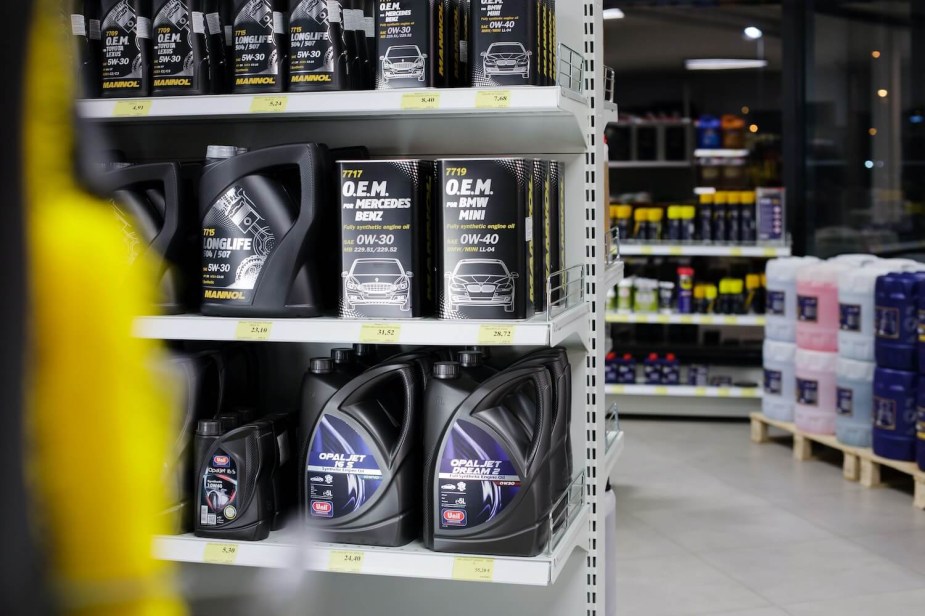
[
  {"x": 234, "y": 490},
  {"x": 386, "y": 228},
  {"x": 259, "y": 47},
  {"x": 181, "y": 52},
  {"x": 362, "y": 468},
  {"x": 483, "y": 231},
  {"x": 484, "y": 485},
  {"x": 126, "y": 54},
  {"x": 411, "y": 43},
  {"x": 260, "y": 233}
]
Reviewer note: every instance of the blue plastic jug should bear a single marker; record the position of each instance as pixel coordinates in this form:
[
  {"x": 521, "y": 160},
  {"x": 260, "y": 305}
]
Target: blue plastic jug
[
  {"x": 895, "y": 414},
  {"x": 896, "y": 322},
  {"x": 920, "y": 430}
]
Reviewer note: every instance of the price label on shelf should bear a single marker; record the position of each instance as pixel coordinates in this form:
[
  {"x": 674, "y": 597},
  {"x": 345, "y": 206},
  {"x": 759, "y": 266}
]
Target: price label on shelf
[
  {"x": 253, "y": 331},
  {"x": 675, "y": 251},
  {"x": 662, "y": 318},
  {"x": 769, "y": 252},
  {"x": 343, "y": 561},
  {"x": 646, "y": 250},
  {"x": 380, "y": 333},
  {"x": 736, "y": 252},
  {"x": 661, "y": 391},
  {"x": 493, "y": 99},
  {"x": 132, "y": 109},
  {"x": 700, "y": 392},
  {"x": 269, "y": 104},
  {"x": 496, "y": 335},
  {"x": 686, "y": 320},
  {"x": 730, "y": 321},
  {"x": 617, "y": 389},
  {"x": 724, "y": 392},
  {"x": 473, "y": 569},
  {"x": 420, "y": 100},
  {"x": 220, "y": 553}
]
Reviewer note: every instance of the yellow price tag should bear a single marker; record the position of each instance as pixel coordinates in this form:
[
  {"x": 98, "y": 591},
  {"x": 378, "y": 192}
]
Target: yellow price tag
[
  {"x": 220, "y": 553},
  {"x": 661, "y": 391},
  {"x": 380, "y": 333},
  {"x": 662, "y": 318},
  {"x": 473, "y": 569},
  {"x": 770, "y": 252},
  {"x": 730, "y": 321},
  {"x": 496, "y": 334},
  {"x": 686, "y": 320},
  {"x": 723, "y": 392},
  {"x": 736, "y": 252},
  {"x": 341, "y": 561},
  {"x": 700, "y": 391},
  {"x": 675, "y": 251},
  {"x": 253, "y": 330},
  {"x": 269, "y": 104},
  {"x": 132, "y": 109},
  {"x": 617, "y": 389},
  {"x": 647, "y": 250},
  {"x": 493, "y": 99},
  {"x": 420, "y": 100}
]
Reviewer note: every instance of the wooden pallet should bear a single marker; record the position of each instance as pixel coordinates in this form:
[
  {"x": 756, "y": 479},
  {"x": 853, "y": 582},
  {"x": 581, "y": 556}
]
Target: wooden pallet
[{"x": 860, "y": 464}]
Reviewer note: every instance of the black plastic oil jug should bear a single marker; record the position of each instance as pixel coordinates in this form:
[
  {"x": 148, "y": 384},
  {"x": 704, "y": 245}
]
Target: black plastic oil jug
[
  {"x": 484, "y": 489},
  {"x": 361, "y": 470},
  {"x": 260, "y": 215}
]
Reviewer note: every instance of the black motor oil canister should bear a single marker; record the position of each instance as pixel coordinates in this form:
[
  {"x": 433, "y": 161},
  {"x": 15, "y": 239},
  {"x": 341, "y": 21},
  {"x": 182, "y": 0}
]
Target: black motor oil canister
[
  {"x": 345, "y": 362},
  {"x": 317, "y": 54},
  {"x": 483, "y": 231},
  {"x": 484, "y": 489},
  {"x": 452, "y": 36},
  {"x": 259, "y": 47},
  {"x": 537, "y": 212},
  {"x": 148, "y": 202},
  {"x": 503, "y": 43},
  {"x": 361, "y": 476},
  {"x": 386, "y": 229},
  {"x": 85, "y": 33},
  {"x": 259, "y": 219},
  {"x": 181, "y": 53},
  {"x": 126, "y": 48},
  {"x": 366, "y": 355},
  {"x": 236, "y": 470},
  {"x": 411, "y": 44},
  {"x": 220, "y": 29},
  {"x": 554, "y": 228}
]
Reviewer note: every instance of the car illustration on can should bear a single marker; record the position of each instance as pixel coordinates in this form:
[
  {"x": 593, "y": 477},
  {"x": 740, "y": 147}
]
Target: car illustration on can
[
  {"x": 506, "y": 59},
  {"x": 378, "y": 282},
  {"x": 403, "y": 62},
  {"x": 481, "y": 282}
]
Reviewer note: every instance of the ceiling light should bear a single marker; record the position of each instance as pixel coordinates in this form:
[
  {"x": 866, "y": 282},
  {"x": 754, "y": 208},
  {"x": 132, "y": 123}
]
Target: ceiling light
[
  {"x": 613, "y": 14},
  {"x": 722, "y": 64},
  {"x": 882, "y": 93},
  {"x": 872, "y": 132},
  {"x": 753, "y": 33},
  {"x": 753, "y": 128},
  {"x": 875, "y": 54}
]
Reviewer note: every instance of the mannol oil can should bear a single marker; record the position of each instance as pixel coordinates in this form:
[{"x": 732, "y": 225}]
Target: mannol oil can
[
  {"x": 484, "y": 234},
  {"x": 126, "y": 53},
  {"x": 411, "y": 42},
  {"x": 181, "y": 60},
  {"x": 259, "y": 47},
  {"x": 504, "y": 43},
  {"x": 386, "y": 227}
]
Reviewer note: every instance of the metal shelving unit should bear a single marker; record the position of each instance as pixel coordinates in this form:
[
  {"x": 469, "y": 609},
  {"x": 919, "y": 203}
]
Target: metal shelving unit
[
  {"x": 687, "y": 319},
  {"x": 566, "y": 123}
]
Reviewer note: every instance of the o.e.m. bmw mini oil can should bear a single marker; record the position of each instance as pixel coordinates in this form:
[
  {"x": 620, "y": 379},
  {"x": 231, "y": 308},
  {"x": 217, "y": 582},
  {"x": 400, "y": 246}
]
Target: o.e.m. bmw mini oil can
[{"x": 504, "y": 43}]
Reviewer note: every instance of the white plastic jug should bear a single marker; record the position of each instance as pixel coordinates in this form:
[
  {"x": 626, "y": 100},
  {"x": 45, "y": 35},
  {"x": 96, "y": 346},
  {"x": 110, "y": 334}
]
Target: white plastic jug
[
  {"x": 780, "y": 320},
  {"x": 779, "y": 380},
  {"x": 854, "y": 401},
  {"x": 817, "y": 305},
  {"x": 814, "y": 411},
  {"x": 855, "y": 260}
]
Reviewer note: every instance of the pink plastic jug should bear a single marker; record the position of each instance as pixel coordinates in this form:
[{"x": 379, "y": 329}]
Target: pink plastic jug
[
  {"x": 817, "y": 306},
  {"x": 816, "y": 386}
]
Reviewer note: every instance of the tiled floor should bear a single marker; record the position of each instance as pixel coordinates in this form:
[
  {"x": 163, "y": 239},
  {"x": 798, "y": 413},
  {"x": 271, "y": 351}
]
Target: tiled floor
[{"x": 709, "y": 523}]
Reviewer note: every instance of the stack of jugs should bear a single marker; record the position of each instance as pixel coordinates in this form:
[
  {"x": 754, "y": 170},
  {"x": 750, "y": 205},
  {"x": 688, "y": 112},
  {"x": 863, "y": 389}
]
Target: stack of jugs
[
  {"x": 856, "y": 336},
  {"x": 817, "y": 344},
  {"x": 780, "y": 336},
  {"x": 896, "y": 351}
]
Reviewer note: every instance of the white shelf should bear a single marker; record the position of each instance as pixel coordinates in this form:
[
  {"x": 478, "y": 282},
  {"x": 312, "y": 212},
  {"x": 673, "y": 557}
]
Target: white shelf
[
  {"x": 611, "y": 112},
  {"x": 721, "y": 153},
  {"x": 682, "y": 391},
  {"x": 523, "y": 119},
  {"x": 534, "y": 332},
  {"x": 613, "y": 274},
  {"x": 615, "y": 443},
  {"x": 687, "y": 319},
  {"x": 703, "y": 250},
  {"x": 650, "y": 164},
  {"x": 286, "y": 549}
]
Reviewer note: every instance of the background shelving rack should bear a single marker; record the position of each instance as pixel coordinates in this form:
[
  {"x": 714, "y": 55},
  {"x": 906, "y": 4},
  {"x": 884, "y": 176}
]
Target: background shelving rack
[{"x": 556, "y": 122}]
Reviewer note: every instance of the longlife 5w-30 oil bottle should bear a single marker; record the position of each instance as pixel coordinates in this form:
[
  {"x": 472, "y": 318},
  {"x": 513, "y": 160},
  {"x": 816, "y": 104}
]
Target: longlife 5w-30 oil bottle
[
  {"x": 181, "y": 52},
  {"x": 361, "y": 471},
  {"x": 259, "y": 46},
  {"x": 317, "y": 53},
  {"x": 147, "y": 200},
  {"x": 235, "y": 496},
  {"x": 484, "y": 492},
  {"x": 259, "y": 220},
  {"x": 126, "y": 55}
]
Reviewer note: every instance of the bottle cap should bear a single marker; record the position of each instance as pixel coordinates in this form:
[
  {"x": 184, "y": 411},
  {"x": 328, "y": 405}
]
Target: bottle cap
[
  {"x": 671, "y": 357},
  {"x": 721, "y": 197},
  {"x": 209, "y": 427},
  {"x": 656, "y": 214},
  {"x": 364, "y": 350},
  {"x": 710, "y": 291},
  {"x": 706, "y": 199},
  {"x": 610, "y": 356},
  {"x": 342, "y": 356},
  {"x": 641, "y": 213},
  {"x": 737, "y": 286},
  {"x": 446, "y": 370},
  {"x": 653, "y": 356},
  {"x": 245, "y": 415},
  {"x": 470, "y": 359},
  {"x": 228, "y": 422},
  {"x": 222, "y": 151},
  {"x": 747, "y": 197},
  {"x": 674, "y": 212},
  {"x": 628, "y": 356},
  {"x": 689, "y": 212},
  {"x": 624, "y": 211},
  {"x": 753, "y": 281},
  {"x": 734, "y": 197},
  {"x": 321, "y": 365},
  {"x": 686, "y": 271},
  {"x": 700, "y": 291}
]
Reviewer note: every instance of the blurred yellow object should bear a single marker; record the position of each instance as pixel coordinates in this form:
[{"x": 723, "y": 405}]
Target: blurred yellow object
[{"x": 97, "y": 422}]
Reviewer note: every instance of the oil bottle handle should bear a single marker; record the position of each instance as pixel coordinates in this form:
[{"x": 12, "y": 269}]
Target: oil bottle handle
[{"x": 493, "y": 390}]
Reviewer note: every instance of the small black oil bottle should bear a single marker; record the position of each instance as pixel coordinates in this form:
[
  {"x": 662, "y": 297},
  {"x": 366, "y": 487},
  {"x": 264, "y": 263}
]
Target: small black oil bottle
[
  {"x": 317, "y": 55},
  {"x": 181, "y": 52},
  {"x": 126, "y": 48},
  {"x": 259, "y": 47}
]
